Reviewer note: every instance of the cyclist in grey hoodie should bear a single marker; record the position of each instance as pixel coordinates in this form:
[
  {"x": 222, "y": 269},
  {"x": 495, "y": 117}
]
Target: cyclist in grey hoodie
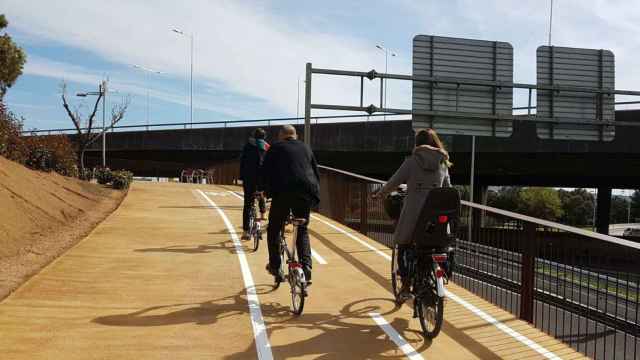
[{"x": 426, "y": 168}]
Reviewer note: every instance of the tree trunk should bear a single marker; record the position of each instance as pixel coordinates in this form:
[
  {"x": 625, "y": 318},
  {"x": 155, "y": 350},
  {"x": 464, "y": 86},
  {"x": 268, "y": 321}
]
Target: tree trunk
[{"x": 82, "y": 161}]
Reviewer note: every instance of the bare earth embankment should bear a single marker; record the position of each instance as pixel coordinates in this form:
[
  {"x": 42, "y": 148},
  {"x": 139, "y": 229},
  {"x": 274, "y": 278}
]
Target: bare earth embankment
[{"x": 41, "y": 216}]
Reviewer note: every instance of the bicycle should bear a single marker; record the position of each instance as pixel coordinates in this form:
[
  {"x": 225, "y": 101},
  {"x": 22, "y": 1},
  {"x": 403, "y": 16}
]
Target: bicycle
[
  {"x": 295, "y": 274},
  {"x": 427, "y": 288},
  {"x": 429, "y": 259},
  {"x": 255, "y": 226}
]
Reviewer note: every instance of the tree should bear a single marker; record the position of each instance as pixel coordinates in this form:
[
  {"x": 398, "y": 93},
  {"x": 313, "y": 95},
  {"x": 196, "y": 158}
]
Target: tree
[
  {"x": 577, "y": 207},
  {"x": 85, "y": 131},
  {"x": 619, "y": 210},
  {"x": 543, "y": 203},
  {"x": 507, "y": 198},
  {"x": 12, "y": 59},
  {"x": 635, "y": 206}
]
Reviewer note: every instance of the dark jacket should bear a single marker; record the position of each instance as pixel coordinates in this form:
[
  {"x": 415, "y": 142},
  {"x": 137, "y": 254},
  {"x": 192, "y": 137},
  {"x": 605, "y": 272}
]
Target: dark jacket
[
  {"x": 290, "y": 167},
  {"x": 251, "y": 160}
]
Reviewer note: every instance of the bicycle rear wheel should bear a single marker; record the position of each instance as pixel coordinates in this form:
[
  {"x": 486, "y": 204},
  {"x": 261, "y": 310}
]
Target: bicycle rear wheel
[
  {"x": 395, "y": 275},
  {"x": 256, "y": 233},
  {"x": 430, "y": 312},
  {"x": 298, "y": 290}
]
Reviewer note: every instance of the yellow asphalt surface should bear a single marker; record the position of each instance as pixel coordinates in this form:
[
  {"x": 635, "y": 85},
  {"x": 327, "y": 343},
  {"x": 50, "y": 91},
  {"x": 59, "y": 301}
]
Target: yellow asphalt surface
[{"x": 161, "y": 279}]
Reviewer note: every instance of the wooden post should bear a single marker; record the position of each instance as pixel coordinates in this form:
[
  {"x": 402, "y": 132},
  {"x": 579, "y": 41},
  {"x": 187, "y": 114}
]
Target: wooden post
[
  {"x": 527, "y": 275},
  {"x": 364, "y": 208}
]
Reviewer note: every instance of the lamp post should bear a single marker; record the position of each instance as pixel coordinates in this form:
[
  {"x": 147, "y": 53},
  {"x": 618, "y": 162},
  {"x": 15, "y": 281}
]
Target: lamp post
[
  {"x": 102, "y": 90},
  {"x": 386, "y": 65},
  {"x": 190, "y": 36},
  {"x": 147, "y": 72}
]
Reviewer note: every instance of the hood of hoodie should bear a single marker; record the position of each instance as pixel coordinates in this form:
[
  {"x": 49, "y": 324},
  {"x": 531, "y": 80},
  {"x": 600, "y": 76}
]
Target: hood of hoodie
[{"x": 427, "y": 158}]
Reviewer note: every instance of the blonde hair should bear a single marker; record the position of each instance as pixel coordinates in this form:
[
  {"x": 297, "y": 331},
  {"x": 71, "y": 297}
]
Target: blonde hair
[{"x": 430, "y": 137}]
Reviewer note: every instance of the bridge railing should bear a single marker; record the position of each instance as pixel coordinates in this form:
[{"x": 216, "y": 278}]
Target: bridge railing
[
  {"x": 222, "y": 124},
  {"x": 579, "y": 286}
]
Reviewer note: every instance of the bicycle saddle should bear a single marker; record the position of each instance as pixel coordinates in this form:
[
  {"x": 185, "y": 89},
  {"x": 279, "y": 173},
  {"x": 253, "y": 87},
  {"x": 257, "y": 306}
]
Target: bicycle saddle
[{"x": 298, "y": 221}]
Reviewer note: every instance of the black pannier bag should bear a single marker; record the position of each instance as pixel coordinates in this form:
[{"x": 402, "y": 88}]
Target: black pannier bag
[{"x": 436, "y": 225}]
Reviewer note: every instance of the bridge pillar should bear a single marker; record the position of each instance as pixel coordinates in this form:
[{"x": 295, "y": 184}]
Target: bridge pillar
[
  {"x": 480, "y": 195},
  {"x": 603, "y": 210}
]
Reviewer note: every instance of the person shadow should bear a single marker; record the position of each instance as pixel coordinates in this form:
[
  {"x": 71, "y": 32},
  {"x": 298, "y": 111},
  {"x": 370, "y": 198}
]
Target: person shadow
[
  {"x": 351, "y": 333},
  {"x": 204, "y": 313},
  {"x": 227, "y": 245}
]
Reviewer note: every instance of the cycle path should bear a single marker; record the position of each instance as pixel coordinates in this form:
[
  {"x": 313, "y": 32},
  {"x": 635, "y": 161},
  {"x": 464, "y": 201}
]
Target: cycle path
[{"x": 163, "y": 277}]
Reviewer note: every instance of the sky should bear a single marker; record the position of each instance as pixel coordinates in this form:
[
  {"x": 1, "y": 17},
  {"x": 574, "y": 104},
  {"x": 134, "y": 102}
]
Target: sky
[{"x": 250, "y": 56}]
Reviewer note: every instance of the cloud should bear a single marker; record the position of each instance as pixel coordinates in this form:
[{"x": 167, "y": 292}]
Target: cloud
[
  {"x": 249, "y": 55},
  {"x": 239, "y": 47}
]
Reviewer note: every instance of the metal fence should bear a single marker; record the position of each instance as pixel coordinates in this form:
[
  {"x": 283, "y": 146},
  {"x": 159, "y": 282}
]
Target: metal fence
[{"x": 578, "y": 286}]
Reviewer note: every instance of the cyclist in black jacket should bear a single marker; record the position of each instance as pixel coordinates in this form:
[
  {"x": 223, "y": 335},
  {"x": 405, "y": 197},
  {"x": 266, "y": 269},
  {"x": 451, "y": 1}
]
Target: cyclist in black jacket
[
  {"x": 292, "y": 181},
  {"x": 250, "y": 162}
]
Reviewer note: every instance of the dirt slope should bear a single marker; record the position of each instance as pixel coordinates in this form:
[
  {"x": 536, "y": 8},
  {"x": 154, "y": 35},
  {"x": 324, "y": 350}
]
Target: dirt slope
[{"x": 41, "y": 215}]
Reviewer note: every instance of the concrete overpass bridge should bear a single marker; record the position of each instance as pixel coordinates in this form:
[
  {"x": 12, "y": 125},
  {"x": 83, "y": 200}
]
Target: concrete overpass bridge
[{"x": 376, "y": 148}]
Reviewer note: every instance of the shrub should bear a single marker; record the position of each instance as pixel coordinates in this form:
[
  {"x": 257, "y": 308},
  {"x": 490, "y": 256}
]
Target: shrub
[
  {"x": 12, "y": 145},
  {"x": 51, "y": 153},
  {"x": 103, "y": 175},
  {"x": 121, "y": 179}
]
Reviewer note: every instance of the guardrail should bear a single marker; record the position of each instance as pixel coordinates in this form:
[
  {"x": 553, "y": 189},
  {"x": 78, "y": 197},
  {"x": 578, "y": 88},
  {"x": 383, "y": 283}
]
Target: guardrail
[
  {"x": 578, "y": 286},
  {"x": 224, "y": 124}
]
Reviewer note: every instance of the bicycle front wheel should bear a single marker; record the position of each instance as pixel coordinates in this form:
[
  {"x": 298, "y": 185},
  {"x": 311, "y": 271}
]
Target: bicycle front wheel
[{"x": 430, "y": 312}]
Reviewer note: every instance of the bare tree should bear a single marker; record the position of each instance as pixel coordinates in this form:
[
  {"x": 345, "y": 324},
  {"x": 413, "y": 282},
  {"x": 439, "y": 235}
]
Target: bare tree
[{"x": 85, "y": 131}]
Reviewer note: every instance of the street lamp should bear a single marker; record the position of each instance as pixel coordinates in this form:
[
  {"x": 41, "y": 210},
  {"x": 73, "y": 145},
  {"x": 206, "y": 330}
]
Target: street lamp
[
  {"x": 102, "y": 90},
  {"x": 147, "y": 72},
  {"x": 386, "y": 64},
  {"x": 190, "y": 36}
]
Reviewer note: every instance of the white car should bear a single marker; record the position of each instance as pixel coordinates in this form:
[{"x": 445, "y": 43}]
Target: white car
[{"x": 631, "y": 232}]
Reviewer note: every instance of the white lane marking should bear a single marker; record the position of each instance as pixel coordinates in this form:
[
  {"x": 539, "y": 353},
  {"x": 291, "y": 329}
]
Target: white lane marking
[
  {"x": 223, "y": 194},
  {"x": 364, "y": 243},
  {"x": 318, "y": 258},
  {"x": 315, "y": 255},
  {"x": 263, "y": 347},
  {"x": 406, "y": 348},
  {"x": 504, "y": 328},
  {"x": 241, "y": 197},
  {"x": 488, "y": 318}
]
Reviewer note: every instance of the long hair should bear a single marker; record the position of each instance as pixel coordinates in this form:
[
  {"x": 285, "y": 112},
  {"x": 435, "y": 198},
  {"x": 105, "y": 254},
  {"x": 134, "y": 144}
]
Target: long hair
[{"x": 430, "y": 137}]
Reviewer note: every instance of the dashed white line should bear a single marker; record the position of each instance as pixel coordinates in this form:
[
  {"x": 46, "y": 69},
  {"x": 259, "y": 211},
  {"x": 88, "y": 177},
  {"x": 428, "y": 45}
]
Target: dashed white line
[
  {"x": 504, "y": 328},
  {"x": 315, "y": 255},
  {"x": 263, "y": 347},
  {"x": 318, "y": 258},
  {"x": 406, "y": 348},
  {"x": 364, "y": 243},
  {"x": 486, "y": 317}
]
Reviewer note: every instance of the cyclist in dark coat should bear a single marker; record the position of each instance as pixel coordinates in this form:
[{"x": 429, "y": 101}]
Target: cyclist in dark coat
[
  {"x": 250, "y": 163},
  {"x": 293, "y": 183}
]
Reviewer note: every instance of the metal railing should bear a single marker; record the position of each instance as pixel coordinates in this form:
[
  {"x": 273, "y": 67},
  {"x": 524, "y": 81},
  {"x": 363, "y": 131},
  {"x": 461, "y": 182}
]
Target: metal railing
[
  {"x": 213, "y": 124},
  {"x": 578, "y": 286}
]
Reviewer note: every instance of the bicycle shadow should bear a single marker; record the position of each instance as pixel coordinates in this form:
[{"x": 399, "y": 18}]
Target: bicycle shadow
[
  {"x": 462, "y": 337},
  {"x": 350, "y": 334},
  {"x": 205, "y": 313},
  {"x": 223, "y": 207},
  {"x": 226, "y": 245}
]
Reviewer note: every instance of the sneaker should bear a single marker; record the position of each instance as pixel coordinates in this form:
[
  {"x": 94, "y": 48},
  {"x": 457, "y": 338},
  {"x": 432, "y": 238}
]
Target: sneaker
[
  {"x": 405, "y": 293},
  {"x": 307, "y": 275},
  {"x": 278, "y": 274}
]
